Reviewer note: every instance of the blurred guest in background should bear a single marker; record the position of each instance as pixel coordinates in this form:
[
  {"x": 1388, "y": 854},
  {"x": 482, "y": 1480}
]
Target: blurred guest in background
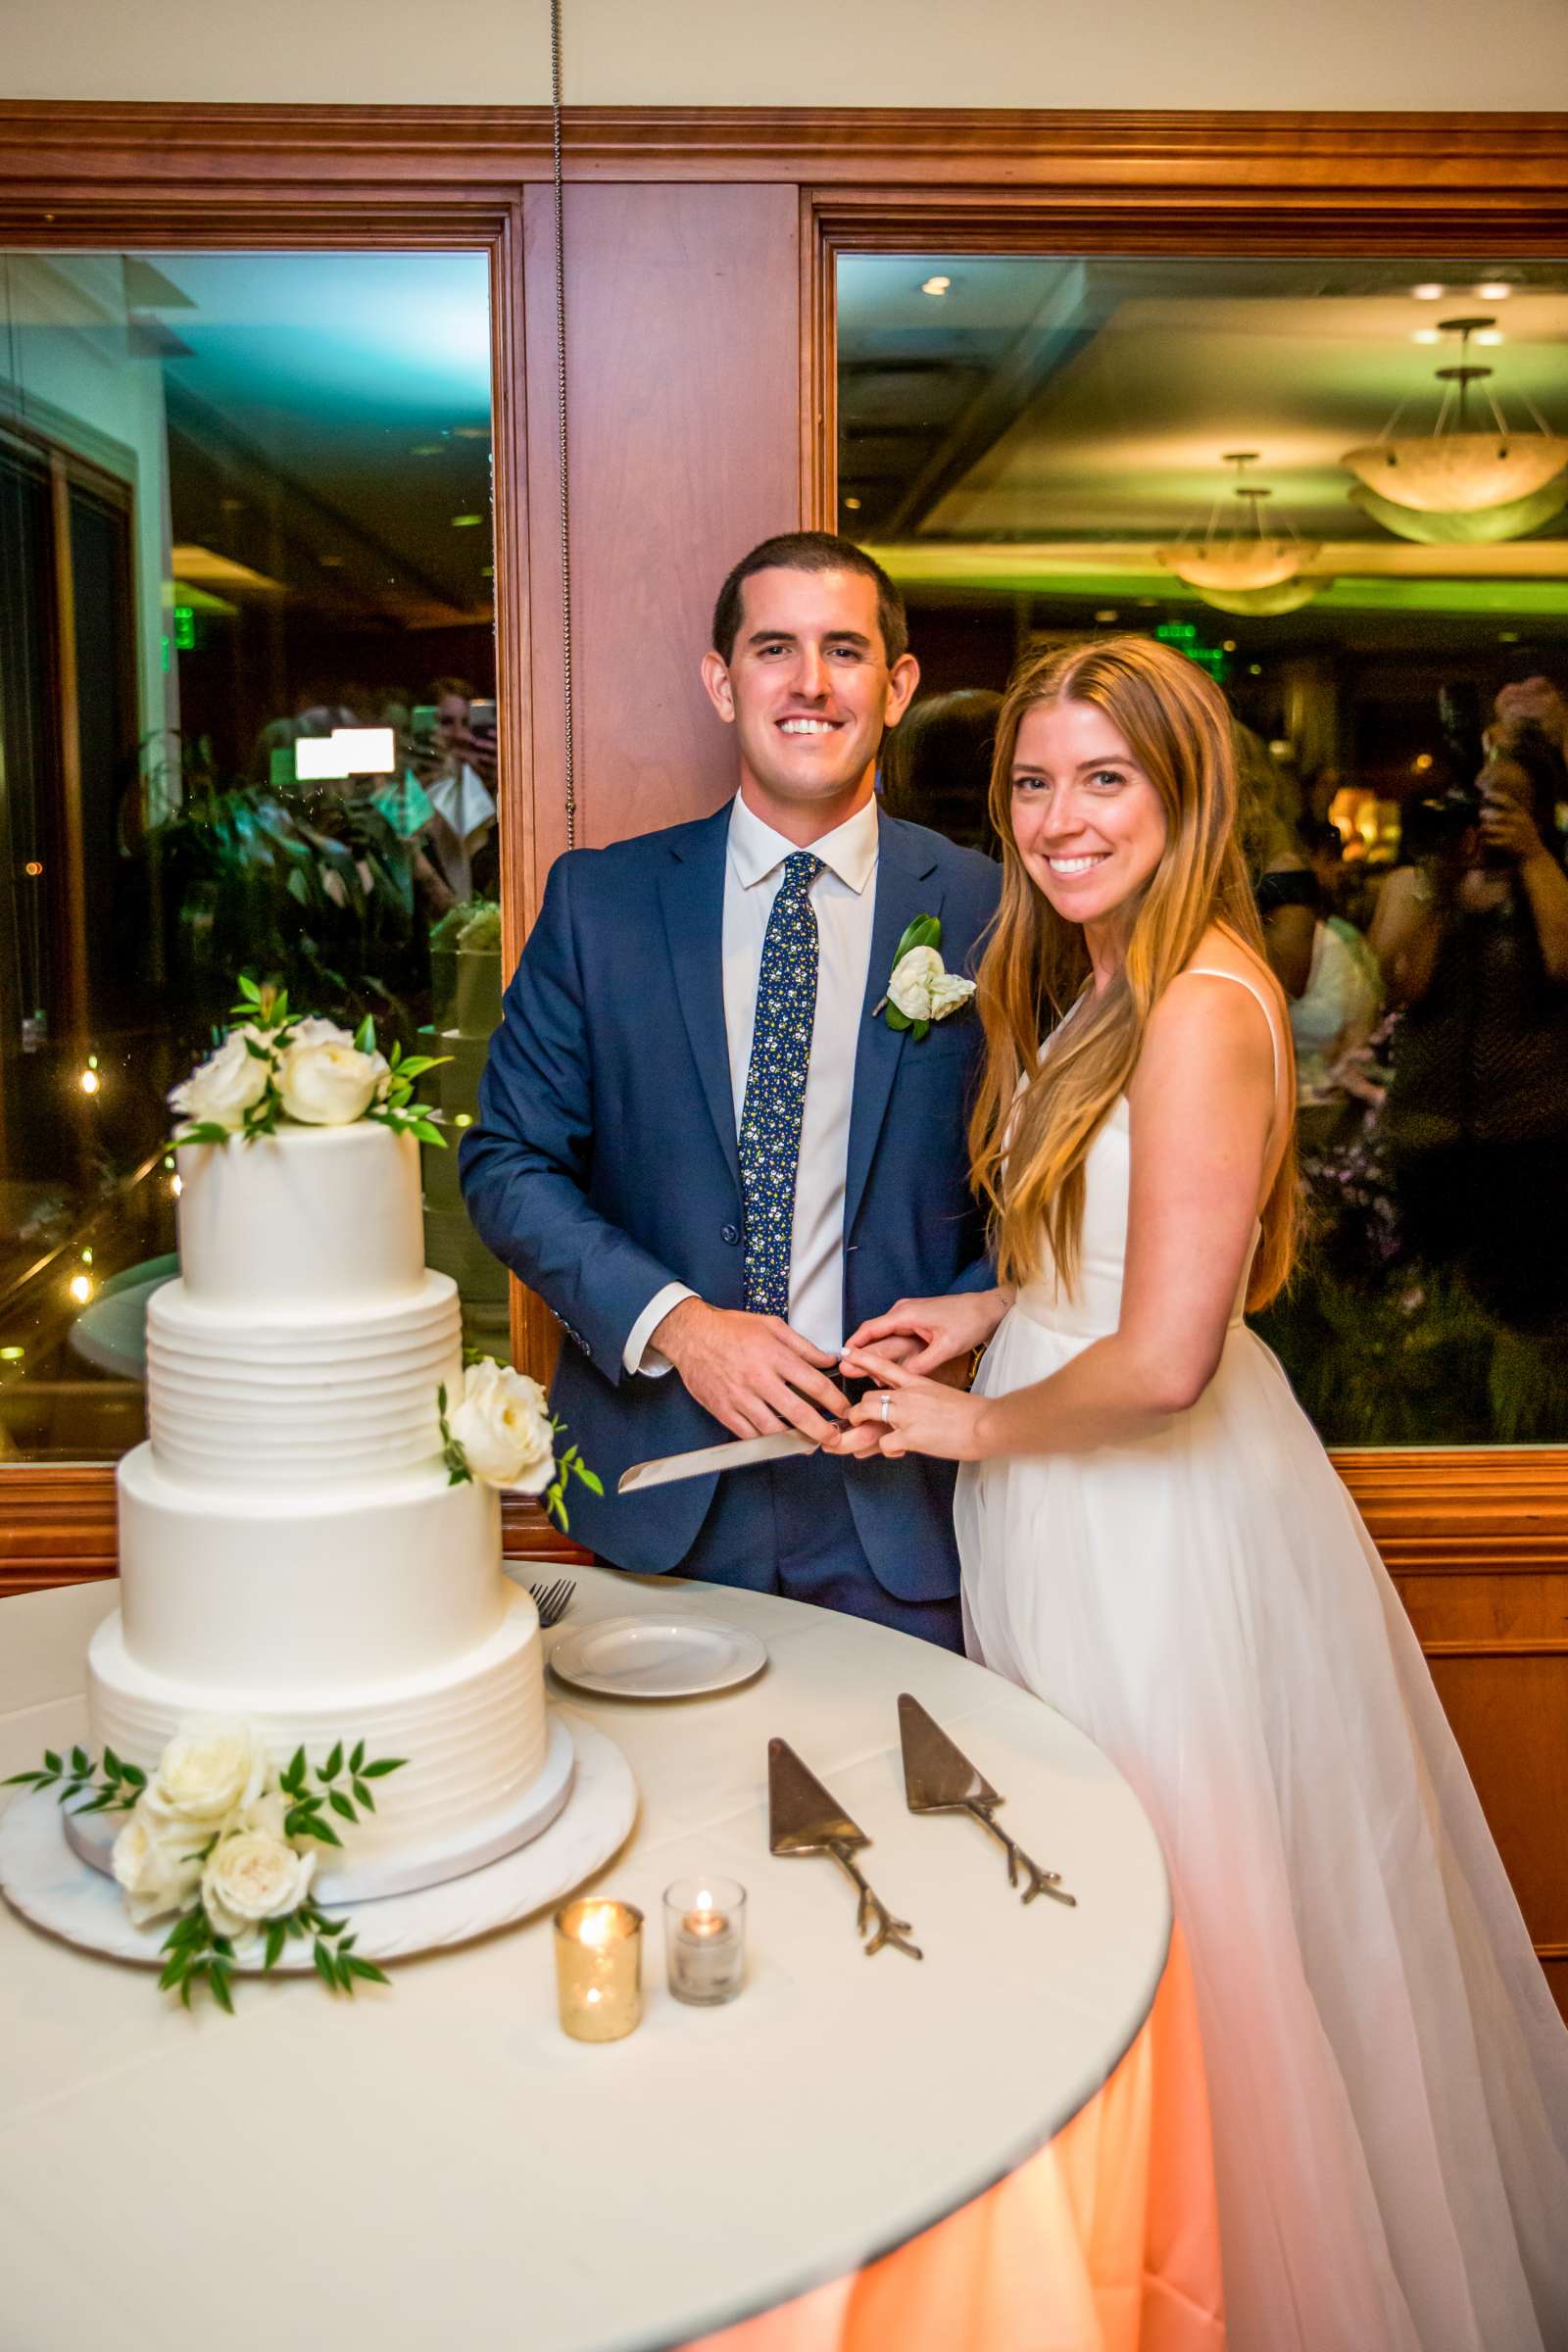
[
  {"x": 455, "y": 761},
  {"x": 1284, "y": 884},
  {"x": 936, "y": 767},
  {"x": 1339, "y": 1008},
  {"x": 1473, "y": 939},
  {"x": 1535, "y": 702}
]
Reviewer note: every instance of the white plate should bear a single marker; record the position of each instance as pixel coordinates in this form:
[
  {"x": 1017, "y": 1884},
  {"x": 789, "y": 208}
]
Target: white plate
[{"x": 654, "y": 1657}]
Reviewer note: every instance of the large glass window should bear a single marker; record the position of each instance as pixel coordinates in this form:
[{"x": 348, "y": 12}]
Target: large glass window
[
  {"x": 247, "y": 724},
  {"x": 1341, "y": 487}
]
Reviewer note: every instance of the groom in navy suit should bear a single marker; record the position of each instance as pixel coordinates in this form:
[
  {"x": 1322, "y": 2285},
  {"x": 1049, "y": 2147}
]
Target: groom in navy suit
[{"x": 701, "y": 1141}]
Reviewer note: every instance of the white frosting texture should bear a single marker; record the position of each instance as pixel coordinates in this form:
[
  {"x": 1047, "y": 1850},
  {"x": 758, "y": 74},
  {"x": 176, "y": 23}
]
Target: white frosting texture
[
  {"x": 303, "y": 1221},
  {"x": 290, "y": 1547}
]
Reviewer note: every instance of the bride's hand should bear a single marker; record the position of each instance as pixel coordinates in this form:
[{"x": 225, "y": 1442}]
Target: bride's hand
[
  {"x": 924, "y": 1333},
  {"x": 911, "y": 1415}
]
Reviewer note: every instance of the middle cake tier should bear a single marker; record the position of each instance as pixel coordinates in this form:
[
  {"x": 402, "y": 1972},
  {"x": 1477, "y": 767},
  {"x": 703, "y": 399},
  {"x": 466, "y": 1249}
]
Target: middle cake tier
[{"x": 246, "y": 1400}]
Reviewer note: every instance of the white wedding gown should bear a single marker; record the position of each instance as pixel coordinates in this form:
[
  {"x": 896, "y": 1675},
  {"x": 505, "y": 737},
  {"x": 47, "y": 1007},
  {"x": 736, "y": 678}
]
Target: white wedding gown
[{"x": 1388, "y": 2073}]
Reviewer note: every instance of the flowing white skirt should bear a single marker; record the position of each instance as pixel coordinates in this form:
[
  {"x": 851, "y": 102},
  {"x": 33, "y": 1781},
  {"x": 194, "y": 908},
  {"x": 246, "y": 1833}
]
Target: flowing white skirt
[{"x": 1388, "y": 2073}]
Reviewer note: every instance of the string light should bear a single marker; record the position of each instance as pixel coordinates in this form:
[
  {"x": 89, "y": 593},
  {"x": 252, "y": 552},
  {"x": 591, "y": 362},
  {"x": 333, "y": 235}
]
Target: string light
[{"x": 80, "y": 1287}]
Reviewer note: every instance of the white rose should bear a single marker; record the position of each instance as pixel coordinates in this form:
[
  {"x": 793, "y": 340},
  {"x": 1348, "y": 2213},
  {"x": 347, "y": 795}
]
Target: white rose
[
  {"x": 226, "y": 1085},
  {"x": 923, "y": 989},
  {"x": 156, "y": 1865},
  {"x": 325, "y": 1081},
  {"x": 253, "y": 1876},
  {"x": 206, "y": 1773},
  {"x": 948, "y": 993},
  {"x": 503, "y": 1425}
]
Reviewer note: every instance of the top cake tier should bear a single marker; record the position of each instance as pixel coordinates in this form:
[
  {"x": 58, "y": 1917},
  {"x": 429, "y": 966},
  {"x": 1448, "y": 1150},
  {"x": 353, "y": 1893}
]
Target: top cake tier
[{"x": 302, "y": 1221}]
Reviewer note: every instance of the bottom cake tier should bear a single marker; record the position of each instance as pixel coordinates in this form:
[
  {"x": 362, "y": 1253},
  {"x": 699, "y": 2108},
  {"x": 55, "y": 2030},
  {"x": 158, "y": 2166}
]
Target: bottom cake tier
[{"x": 481, "y": 1774}]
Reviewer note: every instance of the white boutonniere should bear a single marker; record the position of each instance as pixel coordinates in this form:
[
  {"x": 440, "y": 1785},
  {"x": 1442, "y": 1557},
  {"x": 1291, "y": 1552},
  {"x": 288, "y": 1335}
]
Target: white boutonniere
[{"x": 920, "y": 988}]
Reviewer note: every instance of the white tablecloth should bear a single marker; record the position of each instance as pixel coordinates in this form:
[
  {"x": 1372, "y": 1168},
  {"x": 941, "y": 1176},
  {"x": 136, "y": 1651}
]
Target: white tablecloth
[{"x": 439, "y": 2165}]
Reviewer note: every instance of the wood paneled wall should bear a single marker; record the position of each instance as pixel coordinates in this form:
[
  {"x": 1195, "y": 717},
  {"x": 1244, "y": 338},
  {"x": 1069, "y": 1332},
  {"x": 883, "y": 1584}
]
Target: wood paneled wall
[{"x": 682, "y": 373}]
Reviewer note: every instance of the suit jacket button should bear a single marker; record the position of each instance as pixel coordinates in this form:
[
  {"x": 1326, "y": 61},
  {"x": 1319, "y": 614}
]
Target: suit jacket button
[{"x": 731, "y": 1233}]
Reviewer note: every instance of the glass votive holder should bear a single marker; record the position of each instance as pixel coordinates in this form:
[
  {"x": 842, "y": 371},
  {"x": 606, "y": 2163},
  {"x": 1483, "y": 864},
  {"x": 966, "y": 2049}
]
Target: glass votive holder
[
  {"x": 705, "y": 1940},
  {"x": 599, "y": 1978}
]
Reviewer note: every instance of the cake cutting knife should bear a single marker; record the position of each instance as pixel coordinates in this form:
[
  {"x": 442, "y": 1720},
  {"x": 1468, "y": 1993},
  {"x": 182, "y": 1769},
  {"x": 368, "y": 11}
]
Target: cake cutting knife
[
  {"x": 805, "y": 1818},
  {"x": 737, "y": 1453},
  {"x": 939, "y": 1778}
]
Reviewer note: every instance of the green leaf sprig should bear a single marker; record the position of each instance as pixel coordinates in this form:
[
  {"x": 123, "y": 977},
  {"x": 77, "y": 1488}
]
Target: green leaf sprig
[
  {"x": 198, "y": 1955},
  {"x": 343, "y": 1783},
  {"x": 924, "y": 932},
  {"x": 568, "y": 1465},
  {"x": 398, "y": 1109},
  {"x": 456, "y": 1461},
  {"x": 265, "y": 1007},
  {"x": 116, "y": 1793}
]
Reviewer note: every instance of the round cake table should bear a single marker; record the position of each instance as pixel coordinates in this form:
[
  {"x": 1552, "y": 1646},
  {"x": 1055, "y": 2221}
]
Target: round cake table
[{"x": 1003, "y": 2145}]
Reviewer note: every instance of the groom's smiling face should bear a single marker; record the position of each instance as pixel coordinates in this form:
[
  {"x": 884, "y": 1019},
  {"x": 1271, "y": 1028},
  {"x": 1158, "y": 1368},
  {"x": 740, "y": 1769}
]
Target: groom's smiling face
[{"x": 809, "y": 690}]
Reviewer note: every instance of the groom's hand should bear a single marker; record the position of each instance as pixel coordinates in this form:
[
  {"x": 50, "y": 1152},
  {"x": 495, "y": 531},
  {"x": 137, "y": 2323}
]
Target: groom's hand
[{"x": 750, "y": 1372}]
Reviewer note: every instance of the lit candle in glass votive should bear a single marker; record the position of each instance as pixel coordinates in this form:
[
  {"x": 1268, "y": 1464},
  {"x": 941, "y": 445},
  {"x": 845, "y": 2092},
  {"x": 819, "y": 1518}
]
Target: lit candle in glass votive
[
  {"x": 599, "y": 1949},
  {"x": 705, "y": 1940}
]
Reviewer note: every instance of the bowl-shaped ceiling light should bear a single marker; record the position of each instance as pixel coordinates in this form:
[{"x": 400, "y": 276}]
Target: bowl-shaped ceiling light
[
  {"x": 1483, "y": 527},
  {"x": 1264, "y": 603},
  {"x": 1244, "y": 559},
  {"x": 1464, "y": 465}
]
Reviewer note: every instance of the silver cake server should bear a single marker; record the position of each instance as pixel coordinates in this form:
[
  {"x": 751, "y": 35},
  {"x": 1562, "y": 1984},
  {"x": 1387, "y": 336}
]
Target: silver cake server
[
  {"x": 939, "y": 1778},
  {"x": 737, "y": 1453},
  {"x": 805, "y": 1818}
]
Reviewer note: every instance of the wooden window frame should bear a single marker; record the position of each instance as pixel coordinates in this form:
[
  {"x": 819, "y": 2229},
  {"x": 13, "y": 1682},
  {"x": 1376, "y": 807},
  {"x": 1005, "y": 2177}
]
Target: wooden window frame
[{"x": 94, "y": 176}]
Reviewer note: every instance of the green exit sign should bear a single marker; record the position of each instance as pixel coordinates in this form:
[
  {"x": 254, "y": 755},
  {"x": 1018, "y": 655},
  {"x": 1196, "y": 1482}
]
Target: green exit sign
[
  {"x": 1182, "y": 636},
  {"x": 184, "y": 628}
]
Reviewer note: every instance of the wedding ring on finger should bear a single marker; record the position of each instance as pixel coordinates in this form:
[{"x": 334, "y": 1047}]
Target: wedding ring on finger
[{"x": 887, "y": 1409}]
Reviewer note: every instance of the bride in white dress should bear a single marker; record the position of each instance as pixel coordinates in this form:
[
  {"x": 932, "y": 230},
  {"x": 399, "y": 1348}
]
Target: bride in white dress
[{"x": 1154, "y": 1541}]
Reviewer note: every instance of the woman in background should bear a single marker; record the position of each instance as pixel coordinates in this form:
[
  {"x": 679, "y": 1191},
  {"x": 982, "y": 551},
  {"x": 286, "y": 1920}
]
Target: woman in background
[
  {"x": 1154, "y": 1541},
  {"x": 1473, "y": 937}
]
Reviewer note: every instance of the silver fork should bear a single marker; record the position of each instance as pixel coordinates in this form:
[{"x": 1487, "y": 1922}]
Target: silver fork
[{"x": 553, "y": 1600}]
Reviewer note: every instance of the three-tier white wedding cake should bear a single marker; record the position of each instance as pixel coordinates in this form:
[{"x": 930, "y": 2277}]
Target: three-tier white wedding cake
[{"x": 291, "y": 1549}]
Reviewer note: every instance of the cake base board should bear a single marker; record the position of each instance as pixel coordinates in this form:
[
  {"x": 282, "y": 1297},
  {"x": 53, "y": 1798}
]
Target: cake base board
[
  {"x": 44, "y": 1880},
  {"x": 91, "y": 1836}
]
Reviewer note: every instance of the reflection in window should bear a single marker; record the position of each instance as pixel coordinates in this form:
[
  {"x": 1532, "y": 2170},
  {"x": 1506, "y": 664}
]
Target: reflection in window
[
  {"x": 1260, "y": 463},
  {"x": 247, "y": 722}
]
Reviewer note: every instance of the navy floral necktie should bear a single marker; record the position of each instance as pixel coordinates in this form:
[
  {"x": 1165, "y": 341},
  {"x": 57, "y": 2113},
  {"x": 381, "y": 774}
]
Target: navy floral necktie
[{"x": 775, "y": 1085}]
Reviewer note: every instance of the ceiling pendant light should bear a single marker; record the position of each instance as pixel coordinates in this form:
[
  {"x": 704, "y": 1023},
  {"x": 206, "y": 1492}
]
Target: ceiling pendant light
[
  {"x": 1486, "y": 528},
  {"x": 1263, "y": 603},
  {"x": 1458, "y": 468},
  {"x": 1244, "y": 560}
]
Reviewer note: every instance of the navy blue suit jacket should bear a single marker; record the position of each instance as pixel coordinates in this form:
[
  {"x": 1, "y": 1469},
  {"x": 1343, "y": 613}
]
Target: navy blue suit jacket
[{"x": 604, "y": 1166}]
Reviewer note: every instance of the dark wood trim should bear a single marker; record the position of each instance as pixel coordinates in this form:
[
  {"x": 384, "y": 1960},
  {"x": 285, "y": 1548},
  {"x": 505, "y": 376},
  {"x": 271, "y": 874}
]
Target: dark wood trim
[
  {"x": 66, "y": 154},
  {"x": 57, "y": 1524},
  {"x": 1487, "y": 1510},
  {"x": 68, "y": 890},
  {"x": 1467, "y": 1510},
  {"x": 528, "y": 1535}
]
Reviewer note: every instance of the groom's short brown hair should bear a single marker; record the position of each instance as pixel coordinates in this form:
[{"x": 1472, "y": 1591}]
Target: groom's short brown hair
[{"x": 811, "y": 550}]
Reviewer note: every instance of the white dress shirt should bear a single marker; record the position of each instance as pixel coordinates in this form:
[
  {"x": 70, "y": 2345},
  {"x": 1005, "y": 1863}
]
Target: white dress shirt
[{"x": 844, "y": 902}]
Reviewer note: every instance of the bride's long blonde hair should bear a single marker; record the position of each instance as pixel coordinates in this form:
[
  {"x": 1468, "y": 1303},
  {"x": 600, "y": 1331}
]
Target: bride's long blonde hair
[{"x": 1034, "y": 1120}]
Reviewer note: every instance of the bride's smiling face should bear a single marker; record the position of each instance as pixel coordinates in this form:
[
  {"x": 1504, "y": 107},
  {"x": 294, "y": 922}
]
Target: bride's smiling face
[{"x": 1090, "y": 826}]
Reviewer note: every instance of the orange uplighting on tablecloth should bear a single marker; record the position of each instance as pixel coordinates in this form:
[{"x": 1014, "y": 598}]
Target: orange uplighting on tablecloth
[{"x": 1107, "y": 2240}]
